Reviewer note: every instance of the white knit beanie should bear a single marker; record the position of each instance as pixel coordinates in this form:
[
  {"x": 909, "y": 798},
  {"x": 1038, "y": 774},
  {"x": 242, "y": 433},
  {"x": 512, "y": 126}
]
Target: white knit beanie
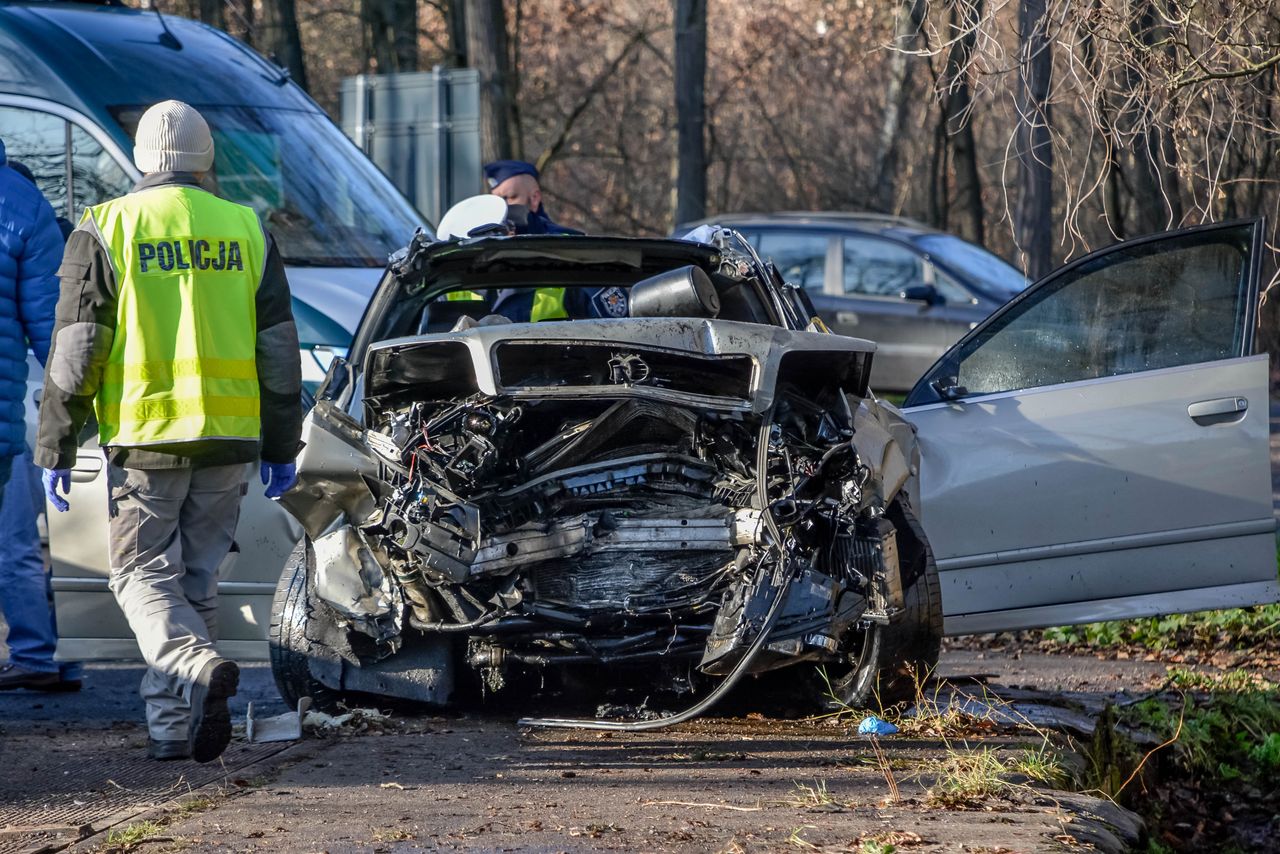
[{"x": 173, "y": 137}]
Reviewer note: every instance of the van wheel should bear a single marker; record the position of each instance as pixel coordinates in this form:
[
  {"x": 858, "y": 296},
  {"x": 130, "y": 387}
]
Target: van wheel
[
  {"x": 298, "y": 625},
  {"x": 894, "y": 660}
]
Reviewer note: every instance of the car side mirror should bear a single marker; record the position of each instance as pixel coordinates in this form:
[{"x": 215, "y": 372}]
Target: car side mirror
[
  {"x": 683, "y": 292},
  {"x": 948, "y": 388},
  {"x": 927, "y": 294}
]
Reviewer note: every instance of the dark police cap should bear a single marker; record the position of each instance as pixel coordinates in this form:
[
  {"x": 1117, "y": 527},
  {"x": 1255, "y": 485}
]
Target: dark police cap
[{"x": 500, "y": 170}]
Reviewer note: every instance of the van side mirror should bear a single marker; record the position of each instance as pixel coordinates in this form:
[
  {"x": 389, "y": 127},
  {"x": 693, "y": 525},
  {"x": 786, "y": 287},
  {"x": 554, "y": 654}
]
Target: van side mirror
[
  {"x": 683, "y": 292},
  {"x": 335, "y": 379},
  {"x": 927, "y": 294}
]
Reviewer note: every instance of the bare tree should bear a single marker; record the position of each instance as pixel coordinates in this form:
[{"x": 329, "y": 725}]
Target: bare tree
[
  {"x": 957, "y": 102},
  {"x": 211, "y": 12},
  {"x": 278, "y": 35},
  {"x": 1034, "y": 218},
  {"x": 455, "y": 19},
  {"x": 691, "y": 109},
  {"x": 488, "y": 53},
  {"x": 391, "y": 34},
  {"x": 897, "y": 100}
]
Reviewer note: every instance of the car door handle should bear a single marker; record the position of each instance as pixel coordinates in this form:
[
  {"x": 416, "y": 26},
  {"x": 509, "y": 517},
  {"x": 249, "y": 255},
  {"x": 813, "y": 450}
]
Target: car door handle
[
  {"x": 86, "y": 469},
  {"x": 1216, "y": 411}
]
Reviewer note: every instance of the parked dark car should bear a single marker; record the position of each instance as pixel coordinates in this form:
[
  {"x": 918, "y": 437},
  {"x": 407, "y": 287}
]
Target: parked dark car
[{"x": 912, "y": 289}]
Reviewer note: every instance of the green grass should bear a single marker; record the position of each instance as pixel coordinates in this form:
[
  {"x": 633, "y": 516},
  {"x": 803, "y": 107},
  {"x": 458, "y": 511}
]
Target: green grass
[
  {"x": 1227, "y": 731},
  {"x": 127, "y": 837},
  {"x": 813, "y": 797},
  {"x": 1237, "y": 628}
]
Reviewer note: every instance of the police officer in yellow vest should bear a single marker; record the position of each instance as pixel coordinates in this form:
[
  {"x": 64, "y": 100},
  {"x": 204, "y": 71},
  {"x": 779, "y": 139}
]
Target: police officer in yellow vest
[{"x": 174, "y": 326}]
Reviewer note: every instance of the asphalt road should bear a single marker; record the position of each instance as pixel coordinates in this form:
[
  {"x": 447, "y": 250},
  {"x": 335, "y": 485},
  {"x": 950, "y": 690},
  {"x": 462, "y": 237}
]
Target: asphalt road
[
  {"x": 478, "y": 782},
  {"x": 110, "y": 697}
]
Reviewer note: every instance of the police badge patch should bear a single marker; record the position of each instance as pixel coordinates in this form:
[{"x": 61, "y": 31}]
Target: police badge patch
[{"x": 611, "y": 302}]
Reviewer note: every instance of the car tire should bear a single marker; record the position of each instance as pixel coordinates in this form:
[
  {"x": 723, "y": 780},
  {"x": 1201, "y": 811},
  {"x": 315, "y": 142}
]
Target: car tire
[
  {"x": 297, "y": 620},
  {"x": 894, "y": 660}
]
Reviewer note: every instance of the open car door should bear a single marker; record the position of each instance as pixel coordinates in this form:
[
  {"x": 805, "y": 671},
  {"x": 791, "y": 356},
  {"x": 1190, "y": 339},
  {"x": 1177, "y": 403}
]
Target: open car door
[{"x": 1098, "y": 448}]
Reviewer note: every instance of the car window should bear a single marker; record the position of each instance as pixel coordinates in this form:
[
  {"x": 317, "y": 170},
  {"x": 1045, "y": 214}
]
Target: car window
[
  {"x": 950, "y": 289},
  {"x": 874, "y": 267},
  {"x": 800, "y": 258},
  {"x": 1177, "y": 301},
  {"x": 988, "y": 272}
]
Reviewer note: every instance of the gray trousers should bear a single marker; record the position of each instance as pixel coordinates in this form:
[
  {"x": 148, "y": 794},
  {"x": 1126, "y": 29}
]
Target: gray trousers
[{"x": 170, "y": 529}]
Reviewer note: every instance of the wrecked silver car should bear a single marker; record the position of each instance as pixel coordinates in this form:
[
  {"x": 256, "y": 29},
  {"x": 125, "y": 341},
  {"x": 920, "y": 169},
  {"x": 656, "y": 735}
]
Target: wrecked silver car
[{"x": 697, "y": 492}]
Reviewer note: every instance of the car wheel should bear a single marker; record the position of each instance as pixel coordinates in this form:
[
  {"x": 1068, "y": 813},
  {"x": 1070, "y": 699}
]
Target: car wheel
[
  {"x": 893, "y": 660},
  {"x": 299, "y": 625}
]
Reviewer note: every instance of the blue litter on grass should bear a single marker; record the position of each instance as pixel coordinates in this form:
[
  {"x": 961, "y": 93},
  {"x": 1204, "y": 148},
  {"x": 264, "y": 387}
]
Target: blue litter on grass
[{"x": 872, "y": 725}]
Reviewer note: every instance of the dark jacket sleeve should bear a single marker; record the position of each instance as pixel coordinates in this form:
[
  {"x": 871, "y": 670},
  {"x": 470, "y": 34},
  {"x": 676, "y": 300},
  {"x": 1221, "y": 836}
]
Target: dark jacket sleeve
[
  {"x": 279, "y": 365},
  {"x": 83, "y": 330}
]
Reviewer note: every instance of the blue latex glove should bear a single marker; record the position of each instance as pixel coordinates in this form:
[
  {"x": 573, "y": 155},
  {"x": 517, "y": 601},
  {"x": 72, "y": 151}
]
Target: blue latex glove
[
  {"x": 278, "y": 477},
  {"x": 52, "y": 478},
  {"x": 872, "y": 725}
]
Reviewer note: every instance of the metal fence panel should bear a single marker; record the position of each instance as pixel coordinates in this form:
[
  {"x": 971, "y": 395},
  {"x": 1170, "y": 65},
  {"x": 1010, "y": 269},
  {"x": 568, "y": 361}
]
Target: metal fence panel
[{"x": 422, "y": 130}]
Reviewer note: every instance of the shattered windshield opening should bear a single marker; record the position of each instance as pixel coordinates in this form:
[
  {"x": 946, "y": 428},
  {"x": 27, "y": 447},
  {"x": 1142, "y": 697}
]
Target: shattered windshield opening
[{"x": 432, "y": 286}]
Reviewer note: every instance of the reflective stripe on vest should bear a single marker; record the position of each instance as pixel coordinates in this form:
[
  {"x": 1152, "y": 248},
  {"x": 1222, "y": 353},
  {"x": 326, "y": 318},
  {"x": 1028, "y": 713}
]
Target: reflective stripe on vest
[
  {"x": 183, "y": 361},
  {"x": 548, "y": 304},
  {"x": 454, "y": 296}
]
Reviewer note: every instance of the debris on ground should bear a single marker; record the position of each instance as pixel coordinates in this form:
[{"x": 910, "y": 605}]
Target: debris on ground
[
  {"x": 872, "y": 725},
  {"x": 357, "y": 721},
  {"x": 641, "y": 712},
  {"x": 285, "y": 727}
]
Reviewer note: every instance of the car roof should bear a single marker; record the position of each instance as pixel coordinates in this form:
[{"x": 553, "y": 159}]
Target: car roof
[
  {"x": 91, "y": 56},
  {"x": 860, "y": 221}
]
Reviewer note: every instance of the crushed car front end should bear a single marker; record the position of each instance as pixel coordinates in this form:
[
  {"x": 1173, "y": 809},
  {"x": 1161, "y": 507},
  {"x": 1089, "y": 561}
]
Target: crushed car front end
[{"x": 694, "y": 496}]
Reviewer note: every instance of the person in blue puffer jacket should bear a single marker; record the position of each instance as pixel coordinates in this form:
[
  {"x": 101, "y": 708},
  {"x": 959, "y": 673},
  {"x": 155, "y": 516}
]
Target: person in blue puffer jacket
[{"x": 30, "y": 252}]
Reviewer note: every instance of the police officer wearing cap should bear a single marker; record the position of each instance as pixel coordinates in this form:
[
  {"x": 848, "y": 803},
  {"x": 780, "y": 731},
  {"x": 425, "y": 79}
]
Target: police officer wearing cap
[
  {"x": 517, "y": 182},
  {"x": 174, "y": 326}
]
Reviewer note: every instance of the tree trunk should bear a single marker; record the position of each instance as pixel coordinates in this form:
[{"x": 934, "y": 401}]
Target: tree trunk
[
  {"x": 486, "y": 25},
  {"x": 691, "y": 106},
  {"x": 391, "y": 34},
  {"x": 1033, "y": 219},
  {"x": 906, "y": 33},
  {"x": 455, "y": 18},
  {"x": 211, "y": 12},
  {"x": 1157, "y": 201},
  {"x": 280, "y": 39},
  {"x": 964, "y": 150}
]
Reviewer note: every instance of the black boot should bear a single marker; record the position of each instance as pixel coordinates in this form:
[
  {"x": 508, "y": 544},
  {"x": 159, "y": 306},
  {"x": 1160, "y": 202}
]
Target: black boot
[
  {"x": 210, "y": 717},
  {"x": 167, "y": 751},
  {"x": 12, "y": 676}
]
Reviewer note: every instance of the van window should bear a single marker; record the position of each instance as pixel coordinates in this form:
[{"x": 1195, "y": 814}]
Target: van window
[
  {"x": 324, "y": 202},
  {"x": 96, "y": 177},
  {"x": 71, "y": 168}
]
